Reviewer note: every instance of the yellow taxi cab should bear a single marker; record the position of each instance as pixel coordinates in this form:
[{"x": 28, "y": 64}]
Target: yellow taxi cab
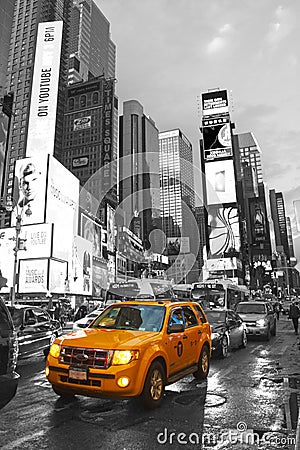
[{"x": 132, "y": 349}]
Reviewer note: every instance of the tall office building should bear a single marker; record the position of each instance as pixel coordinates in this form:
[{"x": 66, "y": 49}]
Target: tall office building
[
  {"x": 250, "y": 155},
  {"x": 6, "y": 18},
  {"x": 91, "y": 135},
  {"x": 280, "y": 223},
  {"x": 27, "y": 15},
  {"x": 176, "y": 180},
  {"x": 139, "y": 172},
  {"x": 92, "y": 52}
]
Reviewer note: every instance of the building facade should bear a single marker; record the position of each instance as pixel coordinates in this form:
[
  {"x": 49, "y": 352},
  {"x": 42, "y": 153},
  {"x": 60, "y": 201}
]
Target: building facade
[
  {"x": 27, "y": 15},
  {"x": 92, "y": 52},
  {"x": 139, "y": 172}
]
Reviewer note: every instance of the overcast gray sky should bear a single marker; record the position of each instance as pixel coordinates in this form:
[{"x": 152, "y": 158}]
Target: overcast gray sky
[{"x": 171, "y": 51}]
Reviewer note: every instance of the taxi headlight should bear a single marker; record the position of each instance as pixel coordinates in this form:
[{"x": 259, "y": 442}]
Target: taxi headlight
[
  {"x": 55, "y": 350},
  {"x": 124, "y": 356},
  {"x": 261, "y": 322}
]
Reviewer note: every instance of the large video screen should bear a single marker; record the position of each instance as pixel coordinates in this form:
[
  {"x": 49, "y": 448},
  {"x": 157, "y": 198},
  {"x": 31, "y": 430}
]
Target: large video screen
[{"x": 220, "y": 182}]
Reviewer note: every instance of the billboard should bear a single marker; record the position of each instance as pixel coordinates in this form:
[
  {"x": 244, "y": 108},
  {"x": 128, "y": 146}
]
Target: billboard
[
  {"x": 217, "y": 142},
  {"x": 61, "y": 210},
  {"x": 38, "y": 242},
  {"x": 215, "y": 103},
  {"x": 82, "y": 123},
  {"x": 44, "y": 94},
  {"x": 33, "y": 276},
  {"x": 258, "y": 219},
  {"x": 176, "y": 245},
  {"x": 57, "y": 276},
  {"x": 108, "y": 138},
  {"x": 81, "y": 267},
  {"x": 110, "y": 224},
  {"x": 220, "y": 182},
  {"x": 80, "y": 161},
  {"x": 92, "y": 231},
  {"x": 29, "y": 190},
  {"x": 223, "y": 230}
]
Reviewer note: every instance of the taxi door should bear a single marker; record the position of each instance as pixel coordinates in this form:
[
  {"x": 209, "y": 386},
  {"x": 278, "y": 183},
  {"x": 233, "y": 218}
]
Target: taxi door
[
  {"x": 192, "y": 335},
  {"x": 176, "y": 347}
]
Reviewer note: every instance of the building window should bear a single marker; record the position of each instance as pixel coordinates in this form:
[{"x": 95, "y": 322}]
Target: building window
[{"x": 82, "y": 101}]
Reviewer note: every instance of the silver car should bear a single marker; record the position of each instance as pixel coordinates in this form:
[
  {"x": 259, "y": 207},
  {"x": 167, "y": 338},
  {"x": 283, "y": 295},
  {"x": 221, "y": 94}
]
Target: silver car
[{"x": 259, "y": 318}]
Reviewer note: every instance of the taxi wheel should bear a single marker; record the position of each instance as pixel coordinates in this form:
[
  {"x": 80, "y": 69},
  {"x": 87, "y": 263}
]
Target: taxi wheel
[
  {"x": 62, "y": 393},
  {"x": 203, "y": 364},
  {"x": 224, "y": 347},
  {"x": 244, "y": 340},
  {"x": 154, "y": 386}
]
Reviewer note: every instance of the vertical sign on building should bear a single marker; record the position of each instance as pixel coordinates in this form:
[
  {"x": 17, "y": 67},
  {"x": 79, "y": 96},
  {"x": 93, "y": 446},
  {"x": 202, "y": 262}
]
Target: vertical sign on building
[
  {"x": 107, "y": 142},
  {"x": 43, "y": 104}
]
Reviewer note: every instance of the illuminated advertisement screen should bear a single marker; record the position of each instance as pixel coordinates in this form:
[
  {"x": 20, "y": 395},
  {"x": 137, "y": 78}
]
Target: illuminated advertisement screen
[
  {"x": 33, "y": 275},
  {"x": 257, "y": 220},
  {"x": 220, "y": 182},
  {"x": 29, "y": 190},
  {"x": 176, "y": 245},
  {"x": 57, "y": 276},
  {"x": 91, "y": 231},
  {"x": 215, "y": 103},
  {"x": 81, "y": 267},
  {"x": 38, "y": 241},
  {"x": 81, "y": 161},
  {"x": 110, "y": 228},
  {"x": 61, "y": 209},
  {"x": 223, "y": 230},
  {"x": 7, "y": 245},
  {"x": 217, "y": 142},
  {"x": 43, "y": 103}
]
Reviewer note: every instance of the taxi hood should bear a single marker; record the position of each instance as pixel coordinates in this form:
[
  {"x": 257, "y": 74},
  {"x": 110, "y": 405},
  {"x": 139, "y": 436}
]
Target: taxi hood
[{"x": 109, "y": 339}]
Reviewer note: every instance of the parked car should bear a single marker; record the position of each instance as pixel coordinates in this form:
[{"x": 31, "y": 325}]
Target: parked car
[
  {"x": 8, "y": 356},
  {"x": 36, "y": 330},
  {"x": 228, "y": 331},
  {"x": 259, "y": 317},
  {"x": 85, "y": 321}
]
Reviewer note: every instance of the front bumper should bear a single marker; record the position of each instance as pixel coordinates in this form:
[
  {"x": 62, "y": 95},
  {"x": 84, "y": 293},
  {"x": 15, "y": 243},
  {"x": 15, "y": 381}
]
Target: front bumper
[
  {"x": 8, "y": 387},
  {"x": 257, "y": 331},
  {"x": 100, "y": 382}
]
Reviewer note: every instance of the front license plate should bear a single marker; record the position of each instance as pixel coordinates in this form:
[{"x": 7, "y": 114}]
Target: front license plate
[{"x": 76, "y": 373}]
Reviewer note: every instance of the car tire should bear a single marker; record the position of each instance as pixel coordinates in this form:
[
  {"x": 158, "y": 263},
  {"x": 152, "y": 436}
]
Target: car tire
[
  {"x": 153, "y": 392},
  {"x": 224, "y": 347},
  {"x": 61, "y": 393},
  {"x": 203, "y": 364},
  {"x": 244, "y": 340}
]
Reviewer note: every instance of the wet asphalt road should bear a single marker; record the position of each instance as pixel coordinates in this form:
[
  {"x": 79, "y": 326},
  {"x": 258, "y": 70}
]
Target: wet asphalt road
[{"x": 254, "y": 389}]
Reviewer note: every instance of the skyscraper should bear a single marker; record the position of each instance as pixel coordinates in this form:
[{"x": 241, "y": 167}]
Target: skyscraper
[
  {"x": 27, "y": 16},
  {"x": 139, "y": 170},
  {"x": 250, "y": 155},
  {"x": 176, "y": 180},
  {"x": 92, "y": 52}
]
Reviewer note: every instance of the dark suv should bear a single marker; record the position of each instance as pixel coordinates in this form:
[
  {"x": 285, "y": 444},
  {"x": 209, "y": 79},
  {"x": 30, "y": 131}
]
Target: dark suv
[{"x": 8, "y": 356}]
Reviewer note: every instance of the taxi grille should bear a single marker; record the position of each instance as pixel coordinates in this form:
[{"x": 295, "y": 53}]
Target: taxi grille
[{"x": 85, "y": 357}]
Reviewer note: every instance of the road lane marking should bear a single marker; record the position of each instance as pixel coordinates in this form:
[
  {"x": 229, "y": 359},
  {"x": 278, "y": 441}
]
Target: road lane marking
[{"x": 286, "y": 397}]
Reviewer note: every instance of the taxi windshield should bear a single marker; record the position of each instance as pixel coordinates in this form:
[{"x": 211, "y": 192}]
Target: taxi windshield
[{"x": 131, "y": 317}]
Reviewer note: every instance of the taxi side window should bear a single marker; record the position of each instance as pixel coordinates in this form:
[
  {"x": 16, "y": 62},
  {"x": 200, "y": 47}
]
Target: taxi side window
[
  {"x": 189, "y": 317},
  {"x": 200, "y": 314},
  {"x": 41, "y": 315},
  {"x": 176, "y": 317}
]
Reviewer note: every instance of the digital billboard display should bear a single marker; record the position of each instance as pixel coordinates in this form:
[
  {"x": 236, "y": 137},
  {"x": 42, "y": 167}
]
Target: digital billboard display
[
  {"x": 57, "y": 276},
  {"x": 29, "y": 190},
  {"x": 110, "y": 223},
  {"x": 217, "y": 142},
  {"x": 33, "y": 276},
  {"x": 38, "y": 241},
  {"x": 223, "y": 230},
  {"x": 81, "y": 267},
  {"x": 44, "y": 94},
  {"x": 215, "y": 103},
  {"x": 82, "y": 123},
  {"x": 258, "y": 219},
  {"x": 62, "y": 207},
  {"x": 92, "y": 231},
  {"x": 220, "y": 182}
]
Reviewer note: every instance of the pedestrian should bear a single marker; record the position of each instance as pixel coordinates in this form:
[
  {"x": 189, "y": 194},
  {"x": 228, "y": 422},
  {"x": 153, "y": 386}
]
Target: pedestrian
[
  {"x": 294, "y": 314},
  {"x": 277, "y": 309}
]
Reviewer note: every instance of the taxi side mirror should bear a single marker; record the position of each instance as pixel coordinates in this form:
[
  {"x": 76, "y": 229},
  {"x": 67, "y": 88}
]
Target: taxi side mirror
[{"x": 176, "y": 328}]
